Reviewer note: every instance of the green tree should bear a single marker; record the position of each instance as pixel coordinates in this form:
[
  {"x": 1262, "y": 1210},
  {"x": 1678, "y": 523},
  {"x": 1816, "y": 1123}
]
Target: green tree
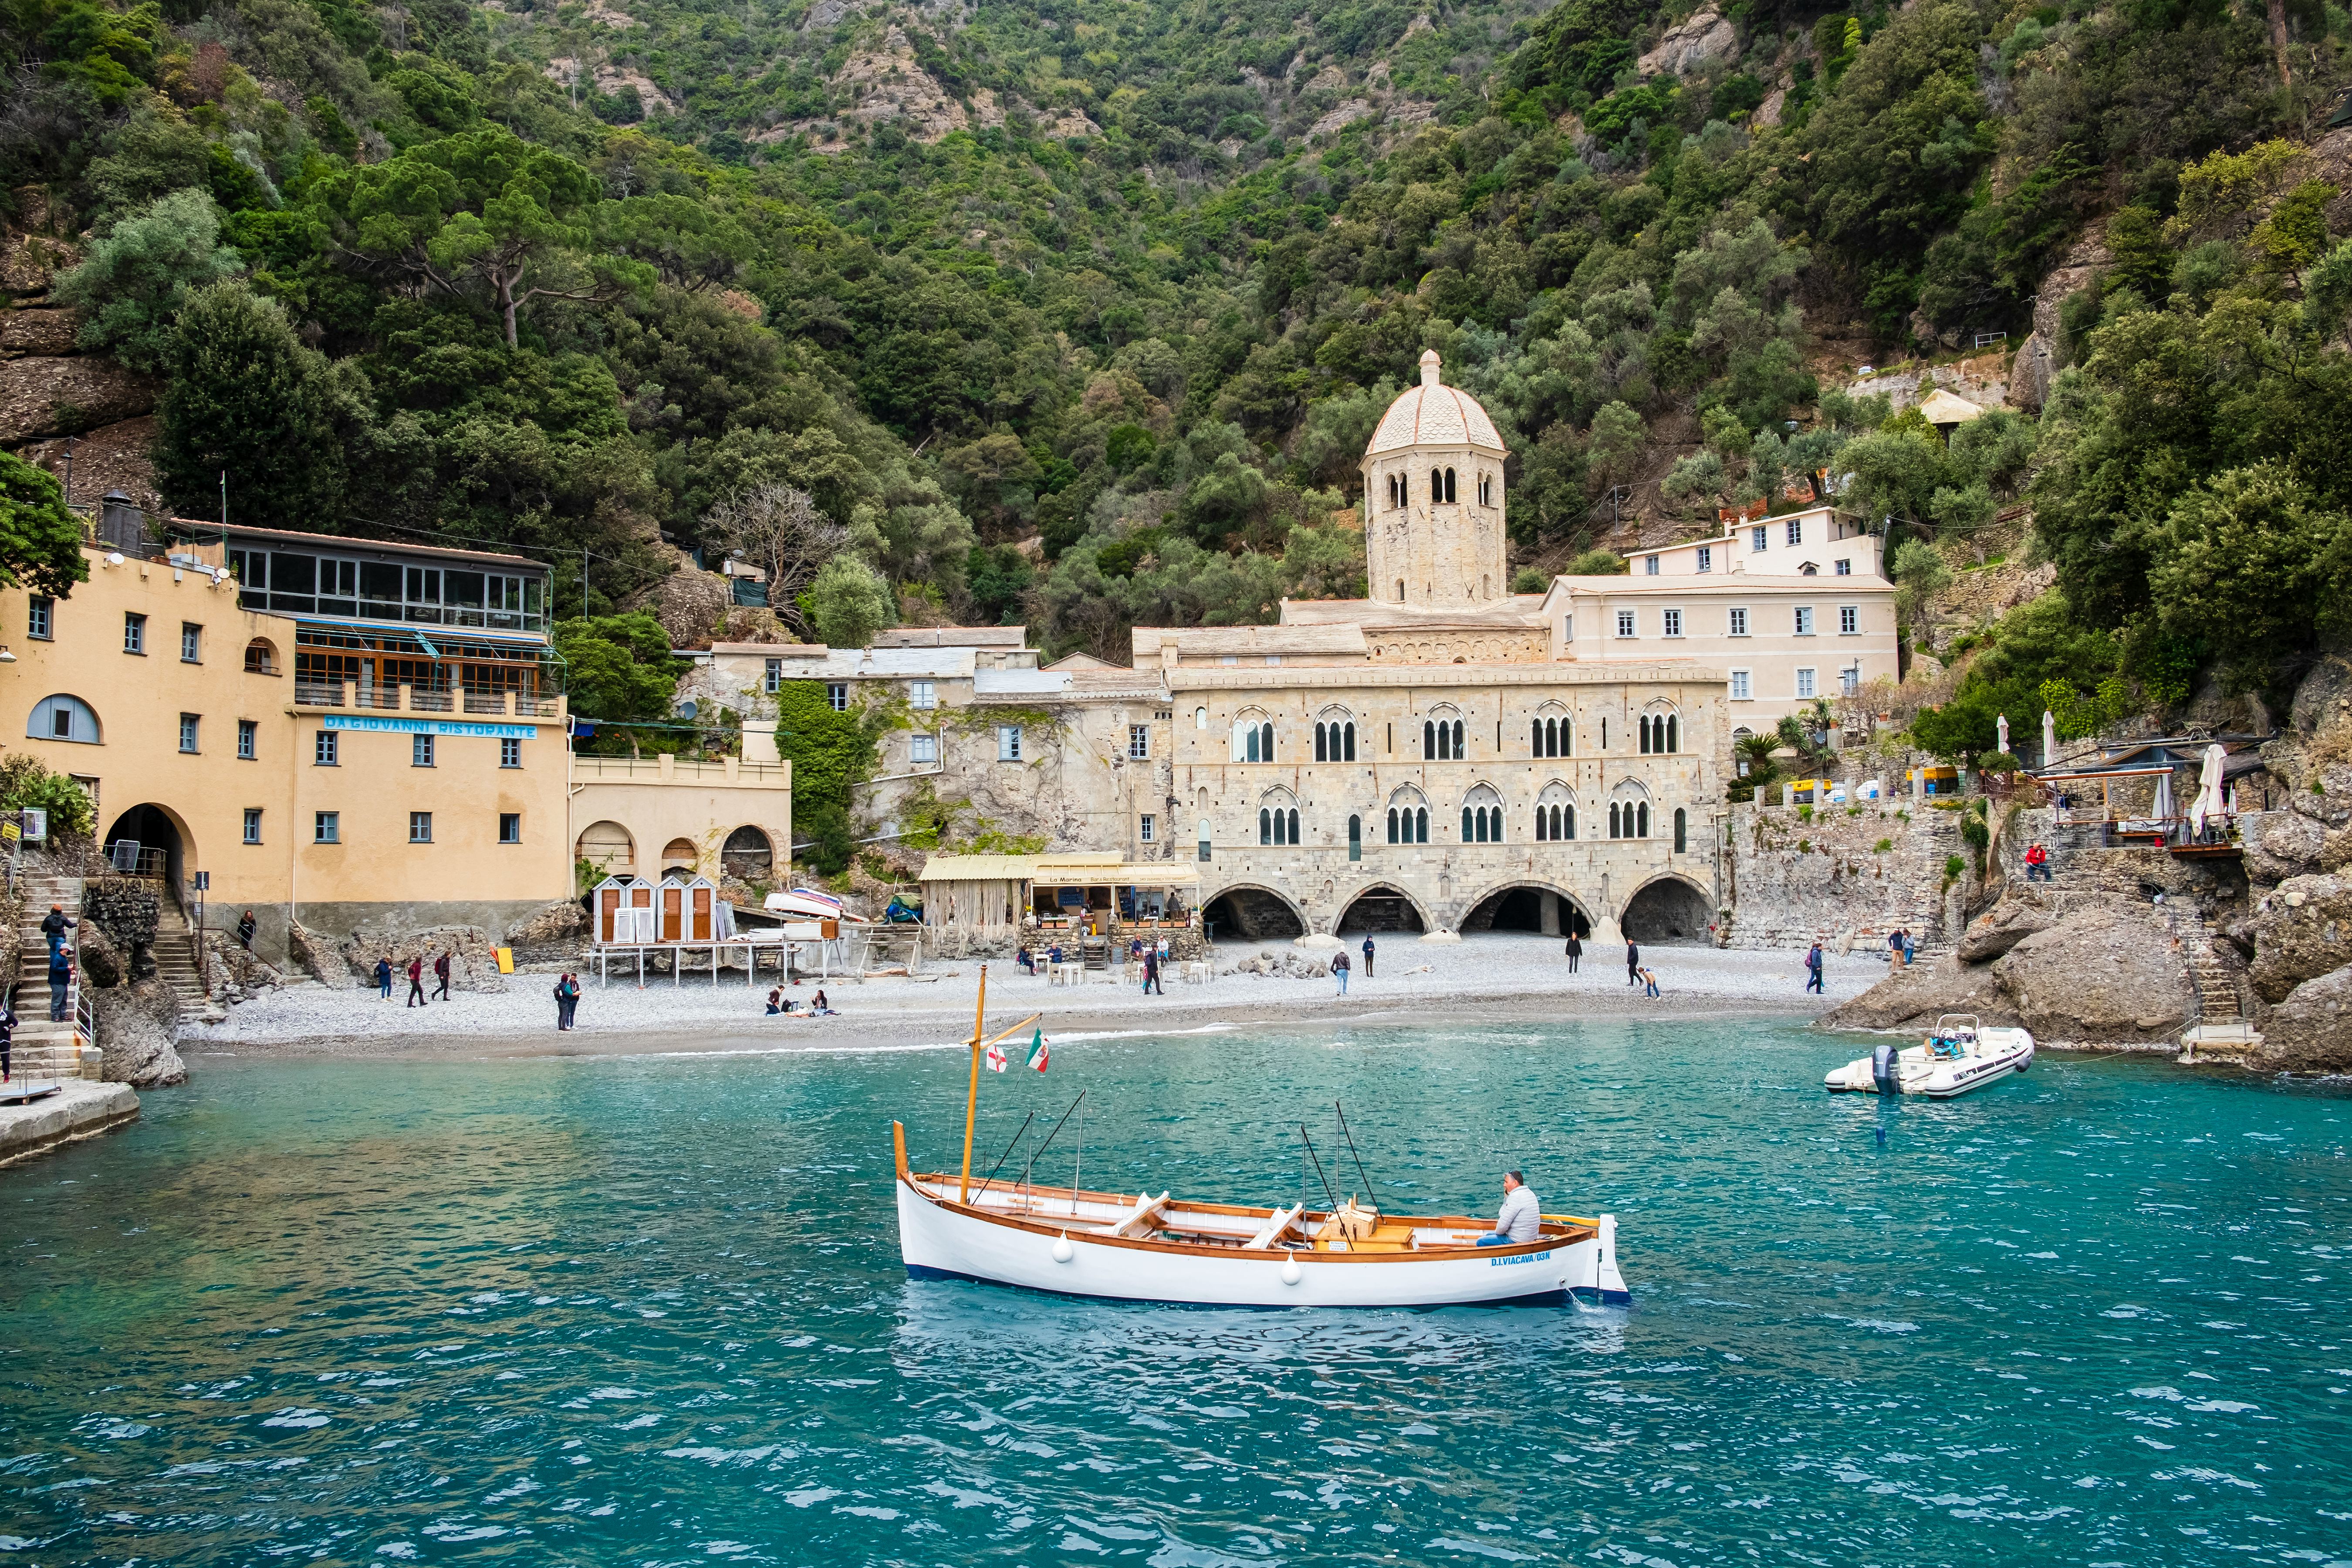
[
  {"x": 24, "y": 781},
  {"x": 138, "y": 273},
  {"x": 40, "y": 538},
  {"x": 2255, "y": 566},
  {"x": 849, "y": 602},
  {"x": 618, "y": 669},
  {"x": 246, "y": 395},
  {"x": 1920, "y": 573}
]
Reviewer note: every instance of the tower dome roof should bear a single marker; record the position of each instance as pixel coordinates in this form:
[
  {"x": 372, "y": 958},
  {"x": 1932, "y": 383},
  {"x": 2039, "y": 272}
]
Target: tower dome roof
[{"x": 1433, "y": 414}]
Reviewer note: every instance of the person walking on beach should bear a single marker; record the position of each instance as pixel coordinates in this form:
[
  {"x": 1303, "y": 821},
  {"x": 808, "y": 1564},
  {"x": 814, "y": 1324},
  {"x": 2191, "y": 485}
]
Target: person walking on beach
[
  {"x": 55, "y": 926},
  {"x": 1575, "y": 952},
  {"x": 60, "y": 979},
  {"x": 1340, "y": 969},
  {"x": 1151, "y": 973},
  {"x": 1632, "y": 963},
  {"x": 1368, "y": 955},
  {"x": 245, "y": 930},
  {"x": 441, "y": 975},
  {"x": 384, "y": 977},
  {"x": 416, "y": 981},
  {"x": 1813, "y": 968}
]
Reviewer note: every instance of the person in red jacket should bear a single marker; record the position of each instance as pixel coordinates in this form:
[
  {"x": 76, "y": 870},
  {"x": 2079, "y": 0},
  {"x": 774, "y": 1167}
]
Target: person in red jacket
[
  {"x": 2037, "y": 863},
  {"x": 416, "y": 981}
]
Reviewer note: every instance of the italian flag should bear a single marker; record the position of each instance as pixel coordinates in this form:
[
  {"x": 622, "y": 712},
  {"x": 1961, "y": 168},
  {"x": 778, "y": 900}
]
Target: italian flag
[{"x": 1037, "y": 1050}]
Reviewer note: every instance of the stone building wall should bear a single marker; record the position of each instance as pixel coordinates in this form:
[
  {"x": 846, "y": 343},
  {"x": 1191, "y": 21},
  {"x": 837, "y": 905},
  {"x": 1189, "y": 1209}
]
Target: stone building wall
[{"x": 1841, "y": 874}]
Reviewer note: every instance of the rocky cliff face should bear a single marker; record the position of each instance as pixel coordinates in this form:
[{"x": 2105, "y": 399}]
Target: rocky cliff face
[
  {"x": 135, "y": 1024},
  {"x": 50, "y": 392},
  {"x": 1846, "y": 875}
]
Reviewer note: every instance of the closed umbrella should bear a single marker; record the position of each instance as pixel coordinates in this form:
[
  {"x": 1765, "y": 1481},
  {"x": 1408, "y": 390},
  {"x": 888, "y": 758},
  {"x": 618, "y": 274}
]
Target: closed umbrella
[
  {"x": 2162, "y": 811},
  {"x": 2208, "y": 790}
]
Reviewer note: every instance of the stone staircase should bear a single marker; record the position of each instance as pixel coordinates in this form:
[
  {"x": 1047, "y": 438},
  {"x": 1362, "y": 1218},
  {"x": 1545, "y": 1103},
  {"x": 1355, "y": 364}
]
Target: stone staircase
[
  {"x": 176, "y": 955},
  {"x": 43, "y": 1049}
]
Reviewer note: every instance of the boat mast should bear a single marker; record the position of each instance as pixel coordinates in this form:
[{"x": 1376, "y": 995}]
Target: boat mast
[{"x": 971, "y": 1094}]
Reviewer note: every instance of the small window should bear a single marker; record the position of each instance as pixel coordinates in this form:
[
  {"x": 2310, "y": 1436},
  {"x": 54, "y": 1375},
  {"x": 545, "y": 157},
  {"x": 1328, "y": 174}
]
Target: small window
[
  {"x": 191, "y": 642},
  {"x": 509, "y": 827},
  {"x": 247, "y": 739},
  {"x": 1650, "y": 566},
  {"x": 1756, "y": 537},
  {"x": 420, "y": 827},
  {"x": 1148, "y": 827},
  {"x": 327, "y": 827},
  {"x": 253, "y": 825},
  {"x": 922, "y": 694},
  {"x": 510, "y": 753},
  {"x": 1199, "y": 717},
  {"x": 1008, "y": 743},
  {"x": 1796, "y": 531},
  {"x": 1138, "y": 742},
  {"x": 1741, "y": 690},
  {"x": 420, "y": 750},
  {"x": 1845, "y": 568},
  {"x": 1739, "y": 623},
  {"x": 324, "y": 751},
  {"x": 134, "y": 633},
  {"x": 772, "y": 677},
  {"x": 1804, "y": 683},
  {"x": 1804, "y": 620},
  {"x": 1624, "y": 623},
  {"x": 838, "y": 694},
  {"x": 1849, "y": 620},
  {"x": 40, "y": 614},
  {"x": 188, "y": 727},
  {"x": 1706, "y": 558},
  {"x": 1673, "y": 623},
  {"x": 922, "y": 747}
]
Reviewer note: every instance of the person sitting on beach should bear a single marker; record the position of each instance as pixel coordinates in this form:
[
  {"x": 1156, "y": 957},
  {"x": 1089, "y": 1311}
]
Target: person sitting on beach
[
  {"x": 775, "y": 1002},
  {"x": 819, "y": 1006},
  {"x": 1519, "y": 1215},
  {"x": 1026, "y": 959}
]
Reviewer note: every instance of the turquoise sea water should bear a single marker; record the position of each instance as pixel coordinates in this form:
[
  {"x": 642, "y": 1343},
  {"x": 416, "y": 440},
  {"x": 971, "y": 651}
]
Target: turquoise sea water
[{"x": 650, "y": 1311}]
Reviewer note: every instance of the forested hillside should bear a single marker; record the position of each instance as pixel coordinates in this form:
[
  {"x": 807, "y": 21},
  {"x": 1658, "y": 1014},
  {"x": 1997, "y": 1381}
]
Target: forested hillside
[{"x": 1082, "y": 314}]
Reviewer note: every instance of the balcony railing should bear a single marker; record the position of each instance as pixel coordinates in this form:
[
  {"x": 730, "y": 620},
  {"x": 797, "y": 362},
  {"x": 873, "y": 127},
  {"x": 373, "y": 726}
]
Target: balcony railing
[{"x": 424, "y": 700}]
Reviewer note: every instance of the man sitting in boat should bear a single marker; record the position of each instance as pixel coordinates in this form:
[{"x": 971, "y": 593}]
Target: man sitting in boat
[{"x": 1519, "y": 1217}]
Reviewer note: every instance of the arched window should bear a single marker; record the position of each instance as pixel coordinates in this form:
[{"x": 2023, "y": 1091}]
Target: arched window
[
  {"x": 1203, "y": 835},
  {"x": 1199, "y": 717},
  {"x": 1318, "y": 744},
  {"x": 1265, "y": 732},
  {"x": 1674, "y": 735},
  {"x": 1293, "y": 838},
  {"x": 1465, "y": 824},
  {"x": 1399, "y": 590},
  {"x": 1420, "y": 826},
  {"x": 260, "y": 657},
  {"x": 1428, "y": 738},
  {"x": 1265, "y": 825},
  {"x": 1641, "y": 808},
  {"x": 63, "y": 717},
  {"x": 1682, "y": 837},
  {"x": 1449, "y": 485},
  {"x": 1482, "y": 816},
  {"x": 1348, "y": 740},
  {"x": 1355, "y": 838},
  {"x": 1392, "y": 823},
  {"x": 1437, "y": 487}
]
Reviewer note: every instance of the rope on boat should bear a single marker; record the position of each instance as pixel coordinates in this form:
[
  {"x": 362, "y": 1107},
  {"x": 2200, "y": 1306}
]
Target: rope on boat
[
  {"x": 1318, "y": 1168},
  {"x": 1350, "y": 1137},
  {"x": 1002, "y": 1158}
]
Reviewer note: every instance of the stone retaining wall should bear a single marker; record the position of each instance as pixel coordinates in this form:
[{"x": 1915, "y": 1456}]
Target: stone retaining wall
[{"x": 1841, "y": 874}]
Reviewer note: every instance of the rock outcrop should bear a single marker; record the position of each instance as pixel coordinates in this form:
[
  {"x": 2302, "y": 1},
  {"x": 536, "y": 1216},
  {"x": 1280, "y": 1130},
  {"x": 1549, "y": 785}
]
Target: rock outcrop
[
  {"x": 2311, "y": 1031},
  {"x": 66, "y": 396},
  {"x": 317, "y": 955},
  {"x": 234, "y": 974},
  {"x": 473, "y": 958},
  {"x": 556, "y": 932},
  {"x": 2003, "y": 927},
  {"x": 1707, "y": 37},
  {"x": 2036, "y": 364},
  {"x": 134, "y": 1034},
  {"x": 2301, "y": 931},
  {"x": 2280, "y": 844}
]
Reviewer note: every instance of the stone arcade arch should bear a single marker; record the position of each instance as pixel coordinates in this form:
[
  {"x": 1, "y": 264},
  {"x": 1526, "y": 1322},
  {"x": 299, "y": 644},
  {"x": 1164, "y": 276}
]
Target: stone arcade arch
[
  {"x": 151, "y": 827},
  {"x": 749, "y": 854},
  {"x": 1382, "y": 907},
  {"x": 1249, "y": 913},
  {"x": 1527, "y": 906},
  {"x": 1668, "y": 909}
]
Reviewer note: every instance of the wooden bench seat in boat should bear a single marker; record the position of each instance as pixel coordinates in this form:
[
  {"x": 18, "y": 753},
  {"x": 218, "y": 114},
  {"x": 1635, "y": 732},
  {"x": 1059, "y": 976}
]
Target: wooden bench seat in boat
[
  {"x": 1272, "y": 1231},
  {"x": 1143, "y": 1217}
]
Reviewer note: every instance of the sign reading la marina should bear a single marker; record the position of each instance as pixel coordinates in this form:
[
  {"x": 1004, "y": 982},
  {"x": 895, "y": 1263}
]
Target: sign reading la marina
[{"x": 431, "y": 726}]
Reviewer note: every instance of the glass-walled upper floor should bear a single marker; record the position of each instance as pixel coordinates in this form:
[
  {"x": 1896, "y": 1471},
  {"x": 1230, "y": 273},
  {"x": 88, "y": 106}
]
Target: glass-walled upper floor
[{"x": 356, "y": 585}]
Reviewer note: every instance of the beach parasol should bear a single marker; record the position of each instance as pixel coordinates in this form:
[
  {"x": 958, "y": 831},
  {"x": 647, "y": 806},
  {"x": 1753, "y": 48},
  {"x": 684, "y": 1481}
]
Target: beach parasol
[{"x": 2208, "y": 802}]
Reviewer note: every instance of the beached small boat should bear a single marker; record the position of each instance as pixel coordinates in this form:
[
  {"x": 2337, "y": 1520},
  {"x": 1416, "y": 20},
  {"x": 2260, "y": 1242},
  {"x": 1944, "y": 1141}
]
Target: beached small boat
[
  {"x": 1958, "y": 1055},
  {"x": 1079, "y": 1242},
  {"x": 1143, "y": 1247}
]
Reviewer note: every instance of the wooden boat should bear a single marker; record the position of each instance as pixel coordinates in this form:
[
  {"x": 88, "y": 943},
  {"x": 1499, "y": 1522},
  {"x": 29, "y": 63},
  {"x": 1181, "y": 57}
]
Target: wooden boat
[
  {"x": 1079, "y": 1242},
  {"x": 1958, "y": 1055}
]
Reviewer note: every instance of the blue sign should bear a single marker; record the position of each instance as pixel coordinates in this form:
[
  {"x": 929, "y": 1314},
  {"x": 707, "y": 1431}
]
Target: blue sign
[{"x": 432, "y": 727}]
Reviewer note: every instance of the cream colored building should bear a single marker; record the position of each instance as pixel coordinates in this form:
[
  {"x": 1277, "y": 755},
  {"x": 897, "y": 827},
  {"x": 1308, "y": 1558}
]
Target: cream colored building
[
  {"x": 647, "y": 817},
  {"x": 346, "y": 769}
]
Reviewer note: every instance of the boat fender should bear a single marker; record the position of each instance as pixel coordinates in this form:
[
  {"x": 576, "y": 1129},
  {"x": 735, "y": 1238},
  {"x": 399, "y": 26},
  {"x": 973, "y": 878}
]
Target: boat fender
[
  {"x": 1882, "y": 1069},
  {"x": 1062, "y": 1250},
  {"x": 1290, "y": 1274}
]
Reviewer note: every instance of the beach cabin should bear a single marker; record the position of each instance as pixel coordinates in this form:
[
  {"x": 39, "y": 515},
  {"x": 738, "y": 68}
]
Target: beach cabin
[
  {"x": 625, "y": 911},
  {"x": 690, "y": 909}
]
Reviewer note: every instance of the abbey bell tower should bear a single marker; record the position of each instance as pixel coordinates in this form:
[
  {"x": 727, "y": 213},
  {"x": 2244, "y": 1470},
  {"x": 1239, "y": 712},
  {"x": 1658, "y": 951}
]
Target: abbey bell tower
[{"x": 1433, "y": 500}]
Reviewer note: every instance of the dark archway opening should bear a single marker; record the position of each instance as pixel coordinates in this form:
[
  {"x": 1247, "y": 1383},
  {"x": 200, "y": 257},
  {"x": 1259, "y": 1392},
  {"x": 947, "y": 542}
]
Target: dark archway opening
[
  {"x": 1379, "y": 909},
  {"x": 157, "y": 852},
  {"x": 1536, "y": 909},
  {"x": 1251, "y": 914},
  {"x": 747, "y": 855},
  {"x": 1668, "y": 911}
]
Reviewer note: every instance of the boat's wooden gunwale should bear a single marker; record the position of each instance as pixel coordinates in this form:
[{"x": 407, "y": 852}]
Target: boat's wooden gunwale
[{"x": 1564, "y": 1235}]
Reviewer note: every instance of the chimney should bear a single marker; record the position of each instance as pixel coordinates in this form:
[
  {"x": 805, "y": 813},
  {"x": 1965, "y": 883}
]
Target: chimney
[{"x": 122, "y": 524}]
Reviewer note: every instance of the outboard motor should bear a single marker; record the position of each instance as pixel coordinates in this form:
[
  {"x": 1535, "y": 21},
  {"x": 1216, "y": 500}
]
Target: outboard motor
[{"x": 1882, "y": 1069}]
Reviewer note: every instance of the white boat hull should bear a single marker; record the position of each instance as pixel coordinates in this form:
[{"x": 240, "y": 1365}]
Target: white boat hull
[
  {"x": 940, "y": 1240},
  {"x": 1994, "y": 1056}
]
